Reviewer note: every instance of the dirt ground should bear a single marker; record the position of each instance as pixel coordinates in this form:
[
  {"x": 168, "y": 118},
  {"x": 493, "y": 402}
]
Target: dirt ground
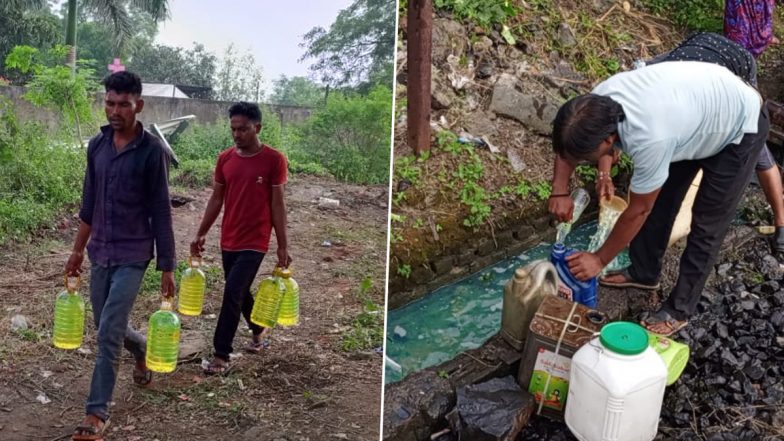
[{"x": 304, "y": 387}]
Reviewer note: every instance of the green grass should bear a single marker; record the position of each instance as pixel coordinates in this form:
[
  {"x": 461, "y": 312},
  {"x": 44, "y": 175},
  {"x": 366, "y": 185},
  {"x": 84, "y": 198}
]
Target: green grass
[{"x": 367, "y": 328}]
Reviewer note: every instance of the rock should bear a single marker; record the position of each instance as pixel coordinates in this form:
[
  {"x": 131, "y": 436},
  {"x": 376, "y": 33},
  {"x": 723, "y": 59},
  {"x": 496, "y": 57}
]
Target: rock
[
  {"x": 480, "y": 124},
  {"x": 515, "y": 160},
  {"x": 482, "y": 45},
  {"x": 443, "y": 97},
  {"x": 19, "y": 322},
  {"x": 536, "y": 113},
  {"x": 414, "y": 408},
  {"x": 328, "y": 203},
  {"x": 485, "y": 70},
  {"x": 496, "y": 410},
  {"x": 449, "y": 37},
  {"x": 422, "y": 274},
  {"x": 566, "y": 36}
]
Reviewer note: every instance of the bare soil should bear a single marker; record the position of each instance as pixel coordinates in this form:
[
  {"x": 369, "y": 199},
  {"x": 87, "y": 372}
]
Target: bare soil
[{"x": 304, "y": 387}]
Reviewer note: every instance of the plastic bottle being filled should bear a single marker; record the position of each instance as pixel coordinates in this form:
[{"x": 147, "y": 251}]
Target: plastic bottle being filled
[
  {"x": 580, "y": 198},
  {"x": 68, "y": 316},
  {"x": 266, "y": 307},
  {"x": 163, "y": 339},
  {"x": 192, "y": 286},
  {"x": 289, "y": 305}
]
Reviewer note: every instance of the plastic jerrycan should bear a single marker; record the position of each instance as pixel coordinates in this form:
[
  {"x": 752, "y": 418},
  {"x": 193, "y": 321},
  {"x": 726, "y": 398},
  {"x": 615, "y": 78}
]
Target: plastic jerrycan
[
  {"x": 163, "y": 339},
  {"x": 289, "y": 304},
  {"x": 675, "y": 355},
  {"x": 522, "y": 296},
  {"x": 616, "y": 386},
  {"x": 68, "y": 316},
  {"x": 266, "y": 307},
  {"x": 192, "y": 287},
  {"x": 568, "y": 286}
]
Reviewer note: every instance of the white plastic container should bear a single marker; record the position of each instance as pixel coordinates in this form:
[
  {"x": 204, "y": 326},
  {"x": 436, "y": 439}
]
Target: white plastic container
[{"x": 616, "y": 387}]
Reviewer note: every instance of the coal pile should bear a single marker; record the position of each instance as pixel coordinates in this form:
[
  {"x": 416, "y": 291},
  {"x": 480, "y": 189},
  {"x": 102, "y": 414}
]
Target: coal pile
[{"x": 733, "y": 386}]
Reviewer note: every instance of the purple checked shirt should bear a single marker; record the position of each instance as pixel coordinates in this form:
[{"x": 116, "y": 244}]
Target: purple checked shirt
[{"x": 125, "y": 200}]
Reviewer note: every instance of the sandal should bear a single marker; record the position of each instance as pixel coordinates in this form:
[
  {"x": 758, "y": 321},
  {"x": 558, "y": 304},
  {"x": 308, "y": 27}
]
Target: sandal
[
  {"x": 142, "y": 377},
  {"x": 662, "y": 323},
  {"x": 255, "y": 347},
  {"x": 628, "y": 283},
  {"x": 219, "y": 368},
  {"x": 89, "y": 432}
]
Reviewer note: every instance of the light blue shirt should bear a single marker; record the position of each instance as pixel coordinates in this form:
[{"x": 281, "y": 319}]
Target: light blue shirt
[{"x": 679, "y": 111}]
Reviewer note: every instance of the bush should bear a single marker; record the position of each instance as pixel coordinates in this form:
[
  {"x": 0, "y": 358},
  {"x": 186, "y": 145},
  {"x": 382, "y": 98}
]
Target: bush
[
  {"x": 350, "y": 136},
  {"x": 39, "y": 177},
  {"x": 695, "y": 15}
]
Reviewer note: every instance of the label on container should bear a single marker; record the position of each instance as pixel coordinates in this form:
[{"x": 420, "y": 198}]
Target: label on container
[
  {"x": 565, "y": 292},
  {"x": 557, "y": 366}
]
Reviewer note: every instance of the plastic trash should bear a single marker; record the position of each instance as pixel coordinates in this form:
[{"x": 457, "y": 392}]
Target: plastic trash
[{"x": 493, "y": 410}]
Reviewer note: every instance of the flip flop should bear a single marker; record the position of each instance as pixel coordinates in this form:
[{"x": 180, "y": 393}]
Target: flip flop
[
  {"x": 218, "y": 368},
  {"x": 256, "y": 347},
  {"x": 629, "y": 283},
  {"x": 662, "y": 317},
  {"x": 142, "y": 377},
  {"x": 89, "y": 432}
]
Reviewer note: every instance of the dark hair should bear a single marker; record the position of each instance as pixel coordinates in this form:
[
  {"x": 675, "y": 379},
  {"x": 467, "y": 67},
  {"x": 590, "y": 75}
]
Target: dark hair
[
  {"x": 249, "y": 110},
  {"x": 123, "y": 82},
  {"x": 582, "y": 123}
]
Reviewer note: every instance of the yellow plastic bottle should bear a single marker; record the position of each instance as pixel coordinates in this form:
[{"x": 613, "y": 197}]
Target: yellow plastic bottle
[
  {"x": 192, "y": 286},
  {"x": 289, "y": 305},
  {"x": 163, "y": 339},
  {"x": 68, "y": 316},
  {"x": 266, "y": 307}
]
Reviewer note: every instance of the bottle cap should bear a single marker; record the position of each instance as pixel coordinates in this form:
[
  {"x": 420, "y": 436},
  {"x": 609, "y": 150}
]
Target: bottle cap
[
  {"x": 284, "y": 272},
  {"x": 624, "y": 338}
]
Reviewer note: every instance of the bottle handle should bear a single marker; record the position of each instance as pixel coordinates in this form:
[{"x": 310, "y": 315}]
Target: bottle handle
[
  {"x": 197, "y": 259},
  {"x": 72, "y": 287}
]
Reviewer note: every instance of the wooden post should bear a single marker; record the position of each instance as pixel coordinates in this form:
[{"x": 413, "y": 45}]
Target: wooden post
[{"x": 420, "y": 31}]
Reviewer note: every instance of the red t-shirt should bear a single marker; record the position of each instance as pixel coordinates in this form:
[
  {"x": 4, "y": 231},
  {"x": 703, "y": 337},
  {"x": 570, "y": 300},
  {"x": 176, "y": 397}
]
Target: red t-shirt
[{"x": 247, "y": 201}]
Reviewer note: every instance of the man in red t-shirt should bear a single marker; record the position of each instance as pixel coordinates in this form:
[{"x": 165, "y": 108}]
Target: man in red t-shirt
[{"x": 249, "y": 181}]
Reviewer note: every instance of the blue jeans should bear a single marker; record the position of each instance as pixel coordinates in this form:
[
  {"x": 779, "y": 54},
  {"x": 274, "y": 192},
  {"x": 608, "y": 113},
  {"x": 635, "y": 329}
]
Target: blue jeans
[{"x": 112, "y": 293}]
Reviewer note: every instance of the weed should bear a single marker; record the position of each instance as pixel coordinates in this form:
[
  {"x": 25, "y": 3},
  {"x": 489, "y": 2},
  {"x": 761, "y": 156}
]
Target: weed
[
  {"x": 367, "y": 328},
  {"x": 485, "y": 13},
  {"x": 442, "y": 374},
  {"x": 404, "y": 270},
  {"x": 542, "y": 190}
]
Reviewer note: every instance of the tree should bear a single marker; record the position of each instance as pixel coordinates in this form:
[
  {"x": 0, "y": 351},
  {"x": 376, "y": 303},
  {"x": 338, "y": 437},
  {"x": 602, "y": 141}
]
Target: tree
[
  {"x": 175, "y": 65},
  {"x": 296, "y": 91},
  {"x": 358, "y": 47},
  {"x": 239, "y": 78},
  {"x": 27, "y": 22},
  {"x": 115, "y": 11}
]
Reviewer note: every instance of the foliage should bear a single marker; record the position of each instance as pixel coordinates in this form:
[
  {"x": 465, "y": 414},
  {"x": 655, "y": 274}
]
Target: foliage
[
  {"x": 38, "y": 176},
  {"x": 696, "y": 15},
  {"x": 238, "y": 78},
  {"x": 27, "y": 22},
  {"x": 350, "y": 136},
  {"x": 485, "y": 13},
  {"x": 175, "y": 65},
  {"x": 367, "y": 328},
  {"x": 56, "y": 87},
  {"x": 359, "y": 46},
  {"x": 296, "y": 91}
]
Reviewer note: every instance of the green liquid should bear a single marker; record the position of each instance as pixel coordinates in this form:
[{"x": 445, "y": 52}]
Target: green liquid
[
  {"x": 289, "y": 306},
  {"x": 266, "y": 307},
  {"x": 163, "y": 341},
  {"x": 192, "y": 286},
  {"x": 68, "y": 320}
]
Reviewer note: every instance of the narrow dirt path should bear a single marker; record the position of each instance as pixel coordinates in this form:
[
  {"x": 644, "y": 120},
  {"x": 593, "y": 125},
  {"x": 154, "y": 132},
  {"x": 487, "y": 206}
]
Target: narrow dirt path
[{"x": 305, "y": 387}]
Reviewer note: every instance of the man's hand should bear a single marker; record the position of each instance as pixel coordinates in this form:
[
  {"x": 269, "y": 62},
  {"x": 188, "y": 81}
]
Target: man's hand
[
  {"x": 74, "y": 265},
  {"x": 562, "y": 207},
  {"x": 584, "y": 266},
  {"x": 197, "y": 246},
  {"x": 605, "y": 188},
  {"x": 167, "y": 284},
  {"x": 284, "y": 260}
]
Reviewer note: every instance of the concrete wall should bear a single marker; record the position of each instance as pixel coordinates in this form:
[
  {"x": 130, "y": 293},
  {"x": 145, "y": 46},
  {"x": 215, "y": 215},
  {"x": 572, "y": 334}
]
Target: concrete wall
[{"x": 156, "y": 109}]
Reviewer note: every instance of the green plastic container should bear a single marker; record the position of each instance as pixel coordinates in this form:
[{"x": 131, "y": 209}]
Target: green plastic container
[
  {"x": 674, "y": 354},
  {"x": 289, "y": 305},
  {"x": 163, "y": 339},
  {"x": 266, "y": 306},
  {"x": 192, "y": 287},
  {"x": 68, "y": 316}
]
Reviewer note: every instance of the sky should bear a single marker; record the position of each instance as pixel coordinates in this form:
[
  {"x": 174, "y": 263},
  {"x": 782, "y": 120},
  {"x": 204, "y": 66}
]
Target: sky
[{"x": 271, "y": 30}]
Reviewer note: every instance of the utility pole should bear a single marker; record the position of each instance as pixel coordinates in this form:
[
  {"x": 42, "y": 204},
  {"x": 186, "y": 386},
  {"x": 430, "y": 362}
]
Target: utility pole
[{"x": 420, "y": 34}]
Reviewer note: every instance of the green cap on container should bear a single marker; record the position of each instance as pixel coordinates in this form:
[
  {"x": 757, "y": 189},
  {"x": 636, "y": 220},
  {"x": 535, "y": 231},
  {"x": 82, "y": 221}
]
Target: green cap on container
[{"x": 624, "y": 338}]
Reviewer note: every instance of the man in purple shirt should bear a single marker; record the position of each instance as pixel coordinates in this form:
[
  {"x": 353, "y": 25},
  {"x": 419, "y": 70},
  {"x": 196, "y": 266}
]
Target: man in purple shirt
[{"x": 125, "y": 213}]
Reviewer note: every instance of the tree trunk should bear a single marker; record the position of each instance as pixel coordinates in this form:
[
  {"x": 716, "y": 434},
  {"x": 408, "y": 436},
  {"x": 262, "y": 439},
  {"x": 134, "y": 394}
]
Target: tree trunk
[
  {"x": 420, "y": 26},
  {"x": 70, "y": 35}
]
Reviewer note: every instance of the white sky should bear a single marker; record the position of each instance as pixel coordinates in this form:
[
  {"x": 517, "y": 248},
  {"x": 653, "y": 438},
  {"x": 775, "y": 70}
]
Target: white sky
[{"x": 271, "y": 30}]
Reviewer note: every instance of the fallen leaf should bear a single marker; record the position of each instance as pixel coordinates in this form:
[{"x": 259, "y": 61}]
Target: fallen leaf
[{"x": 184, "y": 397}]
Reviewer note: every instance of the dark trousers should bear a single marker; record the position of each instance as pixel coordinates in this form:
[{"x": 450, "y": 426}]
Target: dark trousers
[
  {"x": 239, "y": 268},
  {"x": 724, "y": 177}
]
